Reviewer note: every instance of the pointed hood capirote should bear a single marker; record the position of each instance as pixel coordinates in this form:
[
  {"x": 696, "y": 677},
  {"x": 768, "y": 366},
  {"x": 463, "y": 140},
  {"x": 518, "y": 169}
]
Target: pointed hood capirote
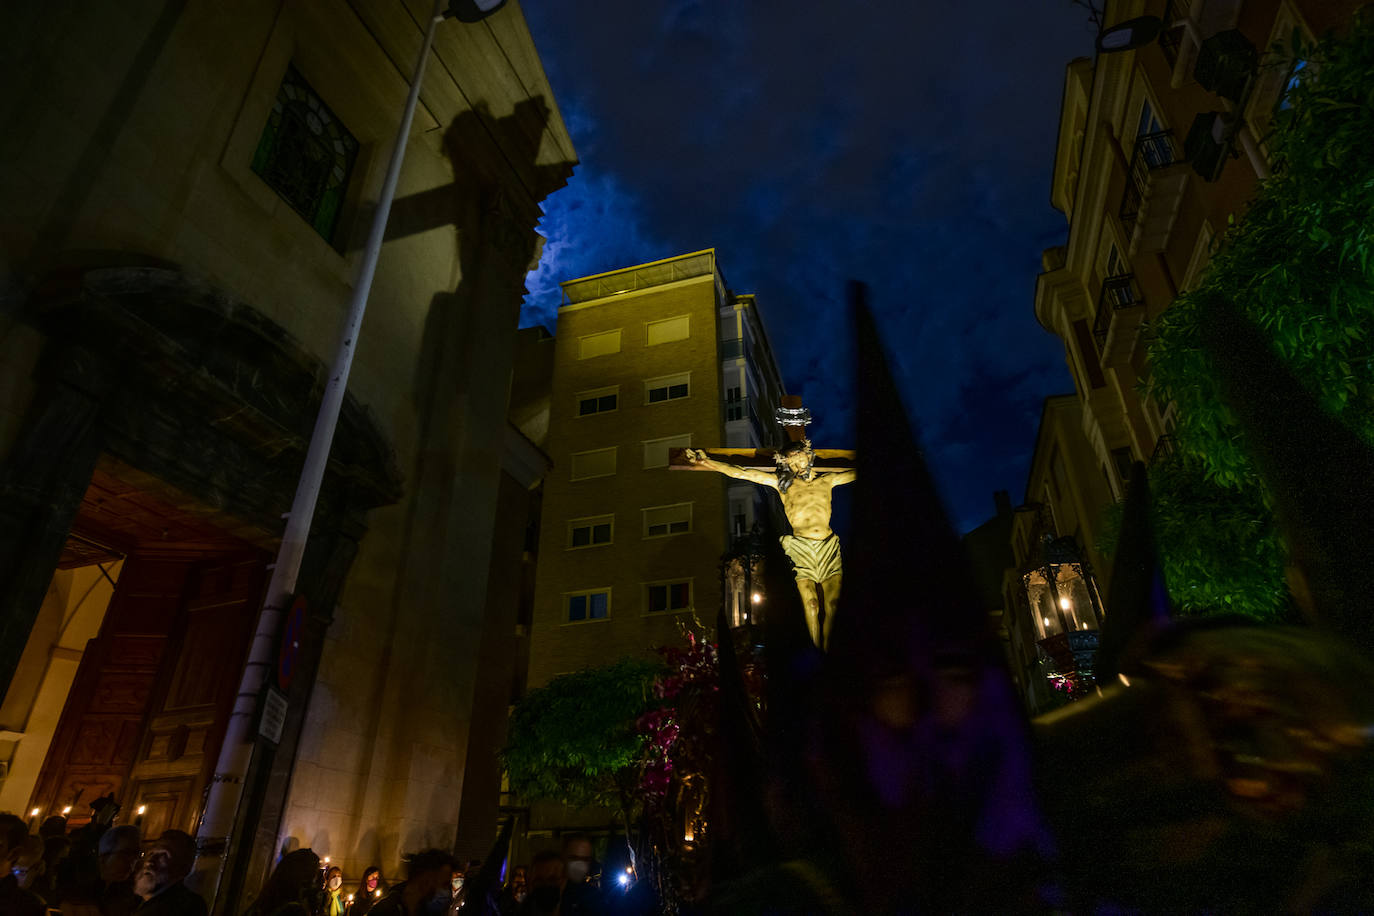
[
  {"x": 1316, "y": 471},
  {"x": 1140, "y": 600},
  {"x": 924, "y": 761},
  {"x": 915, "y": 598}
]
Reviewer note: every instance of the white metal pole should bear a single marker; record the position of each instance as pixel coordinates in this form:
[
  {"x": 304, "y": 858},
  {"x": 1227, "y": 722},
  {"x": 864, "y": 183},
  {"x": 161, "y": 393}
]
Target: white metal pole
[{"x": 226, "y": 788}]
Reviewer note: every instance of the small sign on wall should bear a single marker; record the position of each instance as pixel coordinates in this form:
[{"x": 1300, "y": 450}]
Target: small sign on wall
[{"x": 273, "y": 718}]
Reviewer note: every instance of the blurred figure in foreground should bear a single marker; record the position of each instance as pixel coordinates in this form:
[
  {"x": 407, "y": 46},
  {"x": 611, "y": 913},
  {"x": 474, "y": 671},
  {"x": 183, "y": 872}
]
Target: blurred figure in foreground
[
  {"x": 290, "y": 887},
  {"x": 548, "y": 875},
  {"x": 580, "y": 895},
  {"x": 429, "y": 877},
  {"x": 515, "y": 891},
  {"x": 26, "y": 865}
]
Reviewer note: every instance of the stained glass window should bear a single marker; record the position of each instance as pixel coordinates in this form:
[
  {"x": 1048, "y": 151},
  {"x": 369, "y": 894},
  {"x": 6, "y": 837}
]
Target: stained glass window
[{"x": 306, "y": 155}]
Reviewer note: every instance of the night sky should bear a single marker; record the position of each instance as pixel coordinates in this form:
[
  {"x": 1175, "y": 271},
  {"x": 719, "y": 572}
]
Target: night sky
[{"x": 906, "y": 144}]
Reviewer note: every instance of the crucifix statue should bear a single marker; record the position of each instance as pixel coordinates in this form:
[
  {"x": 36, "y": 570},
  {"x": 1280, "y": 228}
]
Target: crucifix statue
[{"x": 804, "y": 478}]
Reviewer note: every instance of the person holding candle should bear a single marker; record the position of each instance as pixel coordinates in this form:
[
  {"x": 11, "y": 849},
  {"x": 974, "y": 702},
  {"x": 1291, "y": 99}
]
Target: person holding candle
[
  {"x": 370, "y": 890},
  {"x": 332, "y": 903}
]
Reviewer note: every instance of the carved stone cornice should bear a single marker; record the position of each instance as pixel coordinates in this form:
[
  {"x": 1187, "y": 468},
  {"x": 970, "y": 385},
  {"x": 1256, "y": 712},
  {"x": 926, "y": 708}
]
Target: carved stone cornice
[{"x": 201, "y": 373}]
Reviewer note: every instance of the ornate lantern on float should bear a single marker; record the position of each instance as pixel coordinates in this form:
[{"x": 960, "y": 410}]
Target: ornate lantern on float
[
  {"x": 1066, "y": 612},
  {"x": 741, "y": 583}
]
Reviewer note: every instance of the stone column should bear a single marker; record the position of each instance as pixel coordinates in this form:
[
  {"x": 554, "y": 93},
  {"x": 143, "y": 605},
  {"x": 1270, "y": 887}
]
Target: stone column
[
  {"x": 42, "y": 481},
  {"x": 328, "y": 555}
]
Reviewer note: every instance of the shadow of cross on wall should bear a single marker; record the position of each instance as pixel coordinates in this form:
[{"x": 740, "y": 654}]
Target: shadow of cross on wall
[{"x": 498, "y": 182}]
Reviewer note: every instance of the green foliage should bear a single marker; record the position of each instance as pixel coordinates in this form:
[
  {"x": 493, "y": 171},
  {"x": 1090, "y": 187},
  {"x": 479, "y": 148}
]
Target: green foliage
[
  {"x": 1217, "y": 546},
  {"x": 1299, "y": 264},
  {"x": 575, "y": 740},
  {"x": 1219, "y": 550}
]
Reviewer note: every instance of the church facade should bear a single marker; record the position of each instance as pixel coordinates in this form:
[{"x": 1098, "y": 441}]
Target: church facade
[{"x": 187, "y": 190}]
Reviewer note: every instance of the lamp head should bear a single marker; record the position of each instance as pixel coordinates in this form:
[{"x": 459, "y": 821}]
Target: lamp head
[
  {"x": 472, "y": 10},
  {"x": 1129, "y": 35}
]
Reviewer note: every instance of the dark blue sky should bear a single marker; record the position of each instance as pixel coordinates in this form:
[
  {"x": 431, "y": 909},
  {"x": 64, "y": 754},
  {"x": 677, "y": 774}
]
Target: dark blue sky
[{"x": 906, "y": 143}]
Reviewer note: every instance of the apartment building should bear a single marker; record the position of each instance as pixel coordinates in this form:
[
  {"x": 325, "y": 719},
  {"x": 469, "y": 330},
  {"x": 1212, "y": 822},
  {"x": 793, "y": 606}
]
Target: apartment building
[
  {"x": 1159, "y": 147},
  {"x": 647, "y": 359},
  {"x": 187, "y": 192}
]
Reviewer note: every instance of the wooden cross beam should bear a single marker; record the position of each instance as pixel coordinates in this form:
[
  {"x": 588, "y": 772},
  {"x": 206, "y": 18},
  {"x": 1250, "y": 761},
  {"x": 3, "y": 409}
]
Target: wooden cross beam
[
  {"x": 827, "y": 459},
  {"x": 794, "y": 419}
]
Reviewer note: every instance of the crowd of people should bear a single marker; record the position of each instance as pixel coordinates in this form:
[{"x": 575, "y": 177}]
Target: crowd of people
[
  {"x": 101, "y": 869},
  {"x": 436, "y": 884},
  {"x": 97, "y": 870}
]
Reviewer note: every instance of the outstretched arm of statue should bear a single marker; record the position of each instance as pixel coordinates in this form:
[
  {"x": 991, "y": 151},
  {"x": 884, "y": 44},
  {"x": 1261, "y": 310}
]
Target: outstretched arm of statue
[
  {"x": 698, "y": 457},
  {"x": 838, "y": 478}
]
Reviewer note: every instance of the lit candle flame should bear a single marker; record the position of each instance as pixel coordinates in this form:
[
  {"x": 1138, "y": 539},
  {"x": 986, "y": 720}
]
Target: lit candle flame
[
  {"x": 33, "y": 813},
  {"x": 141, "y": 809},
  {"x": 67, "y": 810}
]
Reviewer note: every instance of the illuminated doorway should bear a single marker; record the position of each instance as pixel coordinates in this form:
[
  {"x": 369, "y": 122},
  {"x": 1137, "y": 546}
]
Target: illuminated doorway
[{"x": 152, "y": 604}]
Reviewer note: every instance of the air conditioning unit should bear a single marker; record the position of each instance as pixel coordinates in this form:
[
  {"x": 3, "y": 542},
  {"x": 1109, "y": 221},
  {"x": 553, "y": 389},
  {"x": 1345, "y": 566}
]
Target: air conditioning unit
[
  {"x": 1208, "y": 145},
  {"x": 1225, "y": 63}
]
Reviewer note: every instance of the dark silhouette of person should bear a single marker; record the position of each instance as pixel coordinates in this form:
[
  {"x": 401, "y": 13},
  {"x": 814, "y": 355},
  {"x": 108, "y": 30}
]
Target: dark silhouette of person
[
  {"x": 429, "y": 875},
  {"x": 290, "y": 888}
]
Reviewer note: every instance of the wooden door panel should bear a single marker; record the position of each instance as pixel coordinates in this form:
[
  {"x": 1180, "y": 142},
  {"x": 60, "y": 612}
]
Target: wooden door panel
[
  {"x": 208, "y": 655},
  {"x": 138, "y": 651},
  {"x": 100, "y": 731},
  {"x": 105, "y": 742},
  {"x": 151, "y": 602},
  {"x": 79, "y": 789},
  {"x": 120, "y": 691},
  {"x": 147, "y": 711},
  {"x": 169, "y": 803},
  {"x": 186, "y": 723}
]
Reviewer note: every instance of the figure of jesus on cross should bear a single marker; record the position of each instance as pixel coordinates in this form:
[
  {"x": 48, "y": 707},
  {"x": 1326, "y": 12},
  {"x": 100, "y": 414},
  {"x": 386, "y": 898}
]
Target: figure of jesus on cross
[{"x": 805, "y": 492}]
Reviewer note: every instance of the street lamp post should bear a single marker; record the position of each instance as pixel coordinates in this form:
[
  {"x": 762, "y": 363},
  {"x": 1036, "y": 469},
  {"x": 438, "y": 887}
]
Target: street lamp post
[{"x": 213, "y": 838}]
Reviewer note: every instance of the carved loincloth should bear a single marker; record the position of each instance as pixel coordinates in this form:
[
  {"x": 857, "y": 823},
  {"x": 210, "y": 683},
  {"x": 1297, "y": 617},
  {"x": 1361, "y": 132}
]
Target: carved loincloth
[{"x": 813, "y": 559}]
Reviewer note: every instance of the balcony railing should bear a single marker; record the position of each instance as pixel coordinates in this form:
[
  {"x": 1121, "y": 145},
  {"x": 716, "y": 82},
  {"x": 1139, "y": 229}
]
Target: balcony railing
[
  {"x": 732, "y": 348},
  {"x": 738, "y": 435},
  {"x": 1118, "y": 293},
  {"x": 1165, "y": 450},
  {"x": 1152, "y": 152},
  {"x": 741, "y": 409}
]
